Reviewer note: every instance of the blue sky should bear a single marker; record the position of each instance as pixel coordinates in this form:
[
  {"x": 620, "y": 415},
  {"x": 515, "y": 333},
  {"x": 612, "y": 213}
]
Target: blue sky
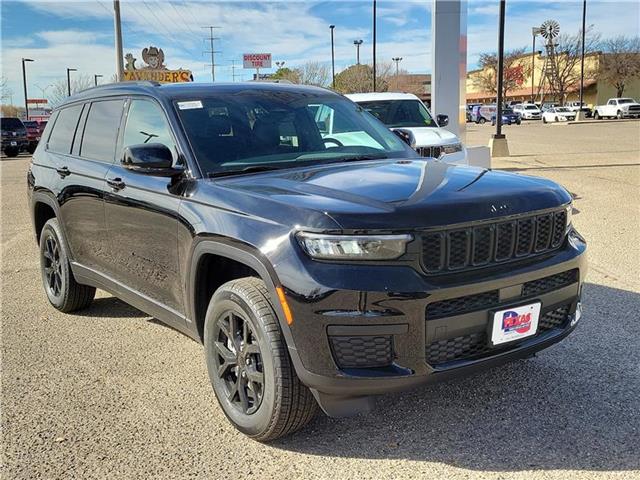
[{"x": 60, "y": 34}]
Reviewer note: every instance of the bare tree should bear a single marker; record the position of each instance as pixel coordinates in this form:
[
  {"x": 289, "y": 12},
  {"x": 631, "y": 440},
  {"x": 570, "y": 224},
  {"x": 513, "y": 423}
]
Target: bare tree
[
  {"x": 285, "y": 73},
  {"x": 7, "y": 93},
  {"x": 620, "y": 62},
  {"x": 78, "y": 84},
  {"x": 313, "y": 73},
  {"x": 565, "y": 64},
  {"x": 515, "y": 71}
]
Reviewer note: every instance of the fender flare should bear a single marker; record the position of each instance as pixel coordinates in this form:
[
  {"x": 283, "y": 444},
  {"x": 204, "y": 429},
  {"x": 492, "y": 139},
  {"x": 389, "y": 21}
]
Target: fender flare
[
  {"x": 48, "y": 198},
  {"x": 242, "y": 253}
]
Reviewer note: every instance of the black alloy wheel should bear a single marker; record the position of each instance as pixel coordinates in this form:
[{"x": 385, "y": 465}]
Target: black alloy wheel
[
  {"x": 238, "y": 362},
  {"x": 52, "y": 266}
]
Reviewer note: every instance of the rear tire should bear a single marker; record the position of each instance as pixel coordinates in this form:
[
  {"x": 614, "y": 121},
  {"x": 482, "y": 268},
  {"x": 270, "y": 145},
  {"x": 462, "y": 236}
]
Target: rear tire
[
  {"x": 249, "y": 365},
  {"x": 62, "y": 290},
  {"x": 544, "y": 119},
  {"x": 482, "y": 120},
  {"x": 596, "y": 115}
]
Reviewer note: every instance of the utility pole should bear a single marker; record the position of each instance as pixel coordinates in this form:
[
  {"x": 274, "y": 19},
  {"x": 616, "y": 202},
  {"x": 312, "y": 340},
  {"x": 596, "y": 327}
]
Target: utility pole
[
  {"x": 357, "y": 43},
  {"x": 333, "y": 59},
  {"x": 118, "y": 35},
  {"x": 212, "y": 51},
  {"x": 233, "y": 70},
  {"x": 374, "y": 45},
  {"x": 535, "y": 31}
]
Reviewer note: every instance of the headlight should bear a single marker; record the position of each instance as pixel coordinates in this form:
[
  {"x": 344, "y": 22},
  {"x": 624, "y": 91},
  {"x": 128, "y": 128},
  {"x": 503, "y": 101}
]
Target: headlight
[
  {"x": 353, "y": 247},
  {"x": 453, "y": 148}
]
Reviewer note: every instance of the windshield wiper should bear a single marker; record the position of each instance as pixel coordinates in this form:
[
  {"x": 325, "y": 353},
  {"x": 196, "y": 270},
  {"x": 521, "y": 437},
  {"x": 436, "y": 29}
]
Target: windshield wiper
[
  {"x": 241, "y": 171},
  {"x": 357, "y": 158}
]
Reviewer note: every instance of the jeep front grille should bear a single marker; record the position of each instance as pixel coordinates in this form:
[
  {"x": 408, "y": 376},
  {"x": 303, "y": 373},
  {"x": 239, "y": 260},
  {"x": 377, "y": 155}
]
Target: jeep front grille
[{"x": 471, "y": 247}]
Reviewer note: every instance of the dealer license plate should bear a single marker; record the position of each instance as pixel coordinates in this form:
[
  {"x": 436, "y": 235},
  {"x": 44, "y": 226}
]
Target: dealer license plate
[{"x": 515, "y": 323}]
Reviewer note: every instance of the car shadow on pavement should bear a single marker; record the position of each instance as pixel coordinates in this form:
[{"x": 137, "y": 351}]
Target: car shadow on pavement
[
  {"x": 110, "y": 307},
  {"x": 573, "y": 406}
]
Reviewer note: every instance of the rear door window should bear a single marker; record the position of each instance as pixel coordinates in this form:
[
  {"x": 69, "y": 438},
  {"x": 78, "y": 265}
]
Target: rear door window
[
  {"x": 64, "y": 130},
  {"x": 101, "y": 130}
]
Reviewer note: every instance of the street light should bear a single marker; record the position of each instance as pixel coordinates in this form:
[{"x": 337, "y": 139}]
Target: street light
[
  {"x": 24, "y": 84},
  {"x": 279, "y": 65},
  {"x": 498, "y": 143},
  {"x": 357, "y": 43},
  {"x": 69, "y": 80},
  {"x": 333, "y": 59},
  {"x": 535, "y": 31},
  {"x": 397, "y": 60},
  {"x": 95, "y": 79}
]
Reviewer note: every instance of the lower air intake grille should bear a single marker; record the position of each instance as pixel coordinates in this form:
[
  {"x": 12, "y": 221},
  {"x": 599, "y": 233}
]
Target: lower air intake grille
[
  {"x": 476, "y": 345},
  {"x": 362, "y": 352}
]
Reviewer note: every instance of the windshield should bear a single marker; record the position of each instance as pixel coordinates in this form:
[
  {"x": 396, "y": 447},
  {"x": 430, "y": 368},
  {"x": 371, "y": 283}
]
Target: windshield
[
  {"x": 531, "y": 107},
  {"x": 11, "y": 123},
  {"x": 625, "y": 100},
  {"x": 260, "y": 129},
  {"x": 562, "y": 109},
  {"x": 400, "y": 113},
  {"x": 507, "y": 111}
]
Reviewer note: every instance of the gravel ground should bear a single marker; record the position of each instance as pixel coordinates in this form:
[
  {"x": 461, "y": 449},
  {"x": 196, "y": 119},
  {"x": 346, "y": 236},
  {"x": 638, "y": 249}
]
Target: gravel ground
[{"x": 112, "y": 393}]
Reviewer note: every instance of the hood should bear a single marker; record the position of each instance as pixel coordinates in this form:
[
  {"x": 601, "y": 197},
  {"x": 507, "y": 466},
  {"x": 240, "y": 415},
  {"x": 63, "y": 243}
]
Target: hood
[
  {"x": 392, "y": 194},
  {"x": 432, "y": 136}
]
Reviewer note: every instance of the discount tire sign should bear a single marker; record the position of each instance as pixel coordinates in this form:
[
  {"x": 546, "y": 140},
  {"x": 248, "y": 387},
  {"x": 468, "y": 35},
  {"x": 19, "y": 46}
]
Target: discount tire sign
[{"x": 256, "y": 60}]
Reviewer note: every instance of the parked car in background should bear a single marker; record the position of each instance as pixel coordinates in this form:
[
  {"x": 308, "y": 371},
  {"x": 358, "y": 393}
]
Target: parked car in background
[
  {"x": 14, "y": 136},
  {"x": 470, "y": 107},
  {"x": 547, "y": 106},
  {"x": 618, "y": 108},
  {"x": 528, "y": 111},
  {"x": 406, "y": 111},
  {"x": 576, "y": 106},
  {"x": 558, "y": 114},
  {"x": 33, "y": 135},
  {"x": 509, "y": 117},
  {"x": 316, "y": 269}
]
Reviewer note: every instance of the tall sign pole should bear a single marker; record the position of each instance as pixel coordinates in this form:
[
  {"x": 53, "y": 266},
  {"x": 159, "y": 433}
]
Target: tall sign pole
[
  {"x": 498, "y": 142},
  {"x": 333, "y": 59},
  {"x": 118, "y": 35},
  {"x": 580, "y": 114},
  {"x": 24, "y": 84}
]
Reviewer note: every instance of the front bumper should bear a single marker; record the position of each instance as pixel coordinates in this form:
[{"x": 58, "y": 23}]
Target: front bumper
[{"x": 388, "y": 302}]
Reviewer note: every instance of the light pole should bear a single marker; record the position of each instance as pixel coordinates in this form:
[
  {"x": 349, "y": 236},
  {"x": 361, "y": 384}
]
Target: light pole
[
  {"x": 357, "y": 43},
  {"x": 397, "y": 61},
  {"x": 69, "y": 80},
  {"x": 374, "y": 45},
  {"x": 24, "y": 84},
  {"x": 333, "y": 59},
  {"x": 279, "y": 65},
  {"x": 535, "y": 31},
  {"x": 95, "y": 79},
  {"x": 580, "y": 114}
]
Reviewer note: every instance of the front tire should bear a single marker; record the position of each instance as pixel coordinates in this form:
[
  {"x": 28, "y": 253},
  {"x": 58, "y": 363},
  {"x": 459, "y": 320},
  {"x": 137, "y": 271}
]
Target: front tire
[
  {"x": 596, "y": 116},
  {"x": 249, "y": 365},
  {"x": 482, "y": 120},
  {"x": 544, "y": 119},
  {"x": 62, "y": 290},
  {"x": 619, "y": 115}
]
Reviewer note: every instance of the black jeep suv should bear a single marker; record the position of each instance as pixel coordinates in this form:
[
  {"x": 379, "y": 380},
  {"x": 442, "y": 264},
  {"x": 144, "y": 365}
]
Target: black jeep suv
[
  {"x": 14, "y": 136},
  {"x": 313, "y": 253}
]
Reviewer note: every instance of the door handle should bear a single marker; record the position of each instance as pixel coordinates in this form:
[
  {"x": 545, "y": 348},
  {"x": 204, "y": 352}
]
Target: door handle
[
  {"x": 116, "y": 183},
  {"x": 63, "y": 171}
]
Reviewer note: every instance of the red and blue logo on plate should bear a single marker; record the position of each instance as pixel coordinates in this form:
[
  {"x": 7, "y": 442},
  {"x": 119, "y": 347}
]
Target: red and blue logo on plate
[{"x": 512, "y": 321}]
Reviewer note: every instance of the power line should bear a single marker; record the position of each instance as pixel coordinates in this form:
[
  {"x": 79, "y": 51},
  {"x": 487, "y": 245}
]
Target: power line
[
  {"x": 184, "y": 22},
  {"x": 212, "y": 51}
]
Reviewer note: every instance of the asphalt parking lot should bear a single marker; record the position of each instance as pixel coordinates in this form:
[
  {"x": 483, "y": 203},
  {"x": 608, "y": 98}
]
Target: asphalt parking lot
[{"x": 111, "y": 393}]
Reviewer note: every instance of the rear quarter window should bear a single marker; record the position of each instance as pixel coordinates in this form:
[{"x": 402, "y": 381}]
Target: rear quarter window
[
  {"x": 64, "y": 130},
  {"x": 101, "y": 130}
]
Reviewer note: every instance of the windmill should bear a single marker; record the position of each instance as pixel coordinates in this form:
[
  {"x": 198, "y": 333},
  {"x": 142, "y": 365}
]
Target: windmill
[{"x": 549, "y": 30}]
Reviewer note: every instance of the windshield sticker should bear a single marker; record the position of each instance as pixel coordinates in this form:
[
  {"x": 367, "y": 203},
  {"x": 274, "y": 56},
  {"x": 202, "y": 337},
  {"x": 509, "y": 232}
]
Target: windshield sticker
[{"x": 190, "y": 105}]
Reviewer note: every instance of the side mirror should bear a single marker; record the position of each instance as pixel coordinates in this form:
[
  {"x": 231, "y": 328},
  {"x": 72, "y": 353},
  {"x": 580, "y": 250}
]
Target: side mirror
[
  {"x": 150, "y": 159},
  {"x": 443, "y": 120},
  {"x": 406, "y": 136}
]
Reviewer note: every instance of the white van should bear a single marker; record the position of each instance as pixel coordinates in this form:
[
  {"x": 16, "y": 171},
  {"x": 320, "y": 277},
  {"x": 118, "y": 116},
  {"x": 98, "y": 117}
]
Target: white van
[{"x": 406, "y": 111}]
